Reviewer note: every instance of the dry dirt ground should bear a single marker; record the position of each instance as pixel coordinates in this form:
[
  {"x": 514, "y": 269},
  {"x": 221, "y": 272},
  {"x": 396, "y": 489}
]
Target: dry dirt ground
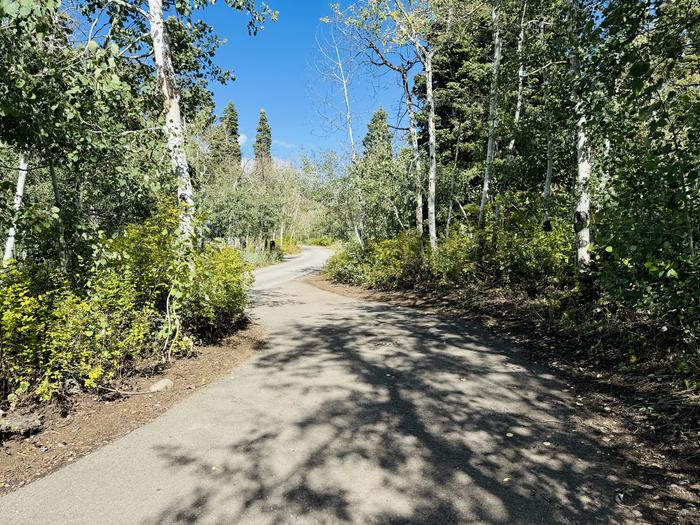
[
  {"x": 86, "y": 421},
  {"x": 667, "y": 485}
]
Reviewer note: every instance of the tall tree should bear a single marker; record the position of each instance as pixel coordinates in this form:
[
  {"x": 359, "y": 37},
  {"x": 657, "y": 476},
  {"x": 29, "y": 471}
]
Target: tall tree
[
  {"x": 386, "y": 47},
  {"x": 230, "y": 122},
  {"x": 377, "y": 142},
  {"x": 263, "y": 141},
  {"x": 493, "y": 110},
  {"x": 582, "y": 213},
  {"x": 16, "y": 206}
]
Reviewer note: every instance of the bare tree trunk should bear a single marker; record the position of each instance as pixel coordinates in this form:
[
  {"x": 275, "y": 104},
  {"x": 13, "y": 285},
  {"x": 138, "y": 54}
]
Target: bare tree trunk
[
  {"x": 493, "y": 111},
  {"x": 432, "y": 146},
  {"x": 16, "y": 206},
  {"x": 547, "y": 193},
  {"x": 521, "y": 77},
  {"x": 174, "y": 128},
  {"x": 346, "y": 100},
  {"x": 582, "y": 212},
  {"x": 417, "y": 164},
  {"x": 358, "y": 235},
  {"x": 583, "y": 158},
  {"x": 548, "y": 180}
]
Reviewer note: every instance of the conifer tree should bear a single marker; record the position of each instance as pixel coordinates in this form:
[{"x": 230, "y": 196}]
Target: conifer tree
[
  {"x": 263, "y": 140},
  {"x": 230, "y": 122},
  {"x": 377, "y": 142}
]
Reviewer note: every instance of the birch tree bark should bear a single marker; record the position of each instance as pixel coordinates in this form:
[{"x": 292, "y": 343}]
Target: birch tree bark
[
  {"x": 425, "y": 55},
  {"x": 547, "y": 193},
  {"x": 341, "y": 76},
  {"x": 16, "y": 206},
  {"x": 521, "y": 77},
  {"x": 583, "y": 156},
  {"x": 417, "y": 164},
  {"x": 346, "y": 99},
  {"x": 174, "y": 129},
  {"x": 432, "y": 145},
  {"x": 493, "y": 111}
]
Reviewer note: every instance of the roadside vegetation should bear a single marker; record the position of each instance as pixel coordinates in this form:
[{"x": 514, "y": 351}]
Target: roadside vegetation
[
  {"x": 545, "y": 167},
  {"x": 542, "y": 152},
  {"x": 128, "y": 237}
]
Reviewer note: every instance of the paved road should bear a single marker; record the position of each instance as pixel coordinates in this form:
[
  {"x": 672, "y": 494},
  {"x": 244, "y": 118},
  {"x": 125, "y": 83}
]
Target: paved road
[{"x": 355, "y": 412}]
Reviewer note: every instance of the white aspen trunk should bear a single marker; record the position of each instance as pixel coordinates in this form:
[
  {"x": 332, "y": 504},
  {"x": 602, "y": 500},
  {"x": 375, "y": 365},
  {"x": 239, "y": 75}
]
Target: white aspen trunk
[
  {"x": 606, "y": 170},
  {"x": 357, "y": 222},
  {"x": 493, "y": 112},
  {"x": 432, "y": 147},
  {"x": 548, "y": 177},
  {"x": 547, "y": 193},
  {"x": 583, "y": 159},
  {"x": 346, "y": 100},
  {"x": 16, "y": 206},
  {"x": 521, "y": 77},
  {"x": 358, "y": 235},
  {"x": 417, "y": 165},
  {"x": 582, "y": 213},
  {"x": 174, "y": 128}
]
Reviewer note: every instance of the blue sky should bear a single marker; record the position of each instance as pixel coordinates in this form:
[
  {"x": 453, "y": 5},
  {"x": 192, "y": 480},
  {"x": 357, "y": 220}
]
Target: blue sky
[{"x": 276, "y": 70}]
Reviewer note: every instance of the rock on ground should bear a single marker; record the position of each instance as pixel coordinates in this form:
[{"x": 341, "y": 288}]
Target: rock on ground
[
  {"x": 162, "y": 385},
  {"x": 20, "y": 424}
]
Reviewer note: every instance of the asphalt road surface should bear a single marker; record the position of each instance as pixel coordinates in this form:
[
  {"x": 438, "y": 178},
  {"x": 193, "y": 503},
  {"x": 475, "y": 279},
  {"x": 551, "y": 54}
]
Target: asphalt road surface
[{"x": 354, "y": 412}]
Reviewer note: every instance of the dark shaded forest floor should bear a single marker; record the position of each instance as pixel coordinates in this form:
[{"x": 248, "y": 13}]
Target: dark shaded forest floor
[
  {"x": 82, "y": 423},
  {"x": 649, "y": 426}
]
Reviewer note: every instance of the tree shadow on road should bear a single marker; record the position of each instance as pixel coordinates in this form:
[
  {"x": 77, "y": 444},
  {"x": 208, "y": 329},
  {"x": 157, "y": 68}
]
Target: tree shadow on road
[{"x": 397, "y": 417}]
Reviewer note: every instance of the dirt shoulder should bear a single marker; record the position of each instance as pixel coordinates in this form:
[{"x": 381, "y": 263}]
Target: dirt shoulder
[
  {"x": 661, "y": 456},
  {"x": 87, "y": 421}
]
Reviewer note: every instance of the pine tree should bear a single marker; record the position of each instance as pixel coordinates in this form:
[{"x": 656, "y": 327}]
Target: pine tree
[
  {"x": 377, "y": 142},
  {"x": 263, "y": 140},
  {"x": 230, "y": 122}
]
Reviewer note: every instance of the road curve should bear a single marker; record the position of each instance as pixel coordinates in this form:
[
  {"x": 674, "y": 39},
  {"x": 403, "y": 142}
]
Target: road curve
[{"x": 355, "y": 412}]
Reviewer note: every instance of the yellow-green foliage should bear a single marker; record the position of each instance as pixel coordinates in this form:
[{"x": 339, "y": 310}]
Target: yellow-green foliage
[
  {"x": 455, "y": 261},
  {"x": 217, "y": 296},
  {"x": 391, "y": 263},
  {"x": 149, "y": 253},
  {"x": 320, "y": 241},
  {"x": 138, "y": 284},
  {"x": 49, "y": 336},
  {"x": 348, "y": 266},
  {"x": 513, "y": 249},
  {"x": 395, "y": 263},
  {"x": 519, "y": 251},
  {"x": 290, "y": 247}
]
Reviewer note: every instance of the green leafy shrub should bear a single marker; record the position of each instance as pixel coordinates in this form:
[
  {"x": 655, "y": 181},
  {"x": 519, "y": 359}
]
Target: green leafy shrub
[
  {"x": 455, "y": 261},
  {"x": 390, "y": 263},
  {"x": 23, "y": 321},
  {"x": 348, "y": 266},
  {"x": 217, "y": 296},
  {"x": 150, "y": 253},
  {"x": 516, "y": 249},
  {"x": 395, "y": 263},
  {"x": 320, "y": 241},
  {"x": 142, "y": 300}
]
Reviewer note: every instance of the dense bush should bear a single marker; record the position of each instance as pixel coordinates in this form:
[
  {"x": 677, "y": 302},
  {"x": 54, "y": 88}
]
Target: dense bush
[
  {"x": 391, "y": 263},
  {"x": 141, "y": 300},
  {"x": 646, "y": 310},
  {"x": 217, "y": 296},
  {"x": 320, "y": 241}
]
